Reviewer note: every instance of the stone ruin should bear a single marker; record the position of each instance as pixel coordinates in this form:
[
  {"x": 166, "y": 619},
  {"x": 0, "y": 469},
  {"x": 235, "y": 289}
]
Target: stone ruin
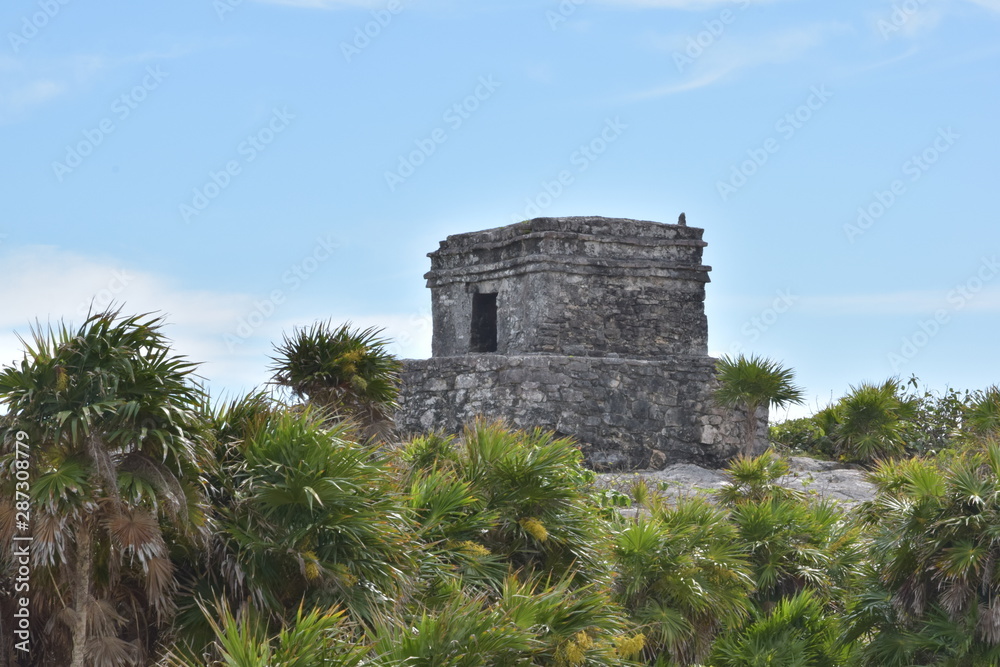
[{"x": 588, "y": 326}]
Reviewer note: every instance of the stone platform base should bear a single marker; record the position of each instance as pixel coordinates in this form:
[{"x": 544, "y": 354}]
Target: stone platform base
[{"x": 628, "y": 414}]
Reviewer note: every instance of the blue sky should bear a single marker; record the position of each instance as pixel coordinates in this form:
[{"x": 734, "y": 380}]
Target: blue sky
[{"x": 250, "y": 166}]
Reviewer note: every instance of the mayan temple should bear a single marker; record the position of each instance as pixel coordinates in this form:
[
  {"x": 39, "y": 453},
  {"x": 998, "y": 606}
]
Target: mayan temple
[{"x": 592, "y": 327}]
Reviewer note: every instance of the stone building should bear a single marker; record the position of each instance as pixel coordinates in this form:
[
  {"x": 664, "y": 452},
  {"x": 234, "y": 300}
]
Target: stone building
[{"x": 592, "y": 327}]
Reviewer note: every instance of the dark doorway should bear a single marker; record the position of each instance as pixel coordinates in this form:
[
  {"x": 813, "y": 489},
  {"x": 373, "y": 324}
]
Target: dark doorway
[{"x": 484, "y": 323}]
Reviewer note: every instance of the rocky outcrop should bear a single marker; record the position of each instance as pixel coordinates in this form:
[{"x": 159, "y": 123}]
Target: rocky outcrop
[
  {"x": 828, "y": 479},
  {"x": 824, "y": 479}
]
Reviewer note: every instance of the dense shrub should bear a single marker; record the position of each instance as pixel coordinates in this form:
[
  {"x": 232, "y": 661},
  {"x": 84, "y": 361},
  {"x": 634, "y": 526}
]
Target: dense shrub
[
  {"x": 890, "y": 420},
  {"x": 801, "y": 436},
  {"x": 256, "y": 533},
  {"x": 930, "y": 595}
]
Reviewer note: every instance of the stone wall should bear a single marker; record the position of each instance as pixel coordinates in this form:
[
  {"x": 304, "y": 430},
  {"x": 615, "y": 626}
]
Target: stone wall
[
  {"x": 575, "y": 286},
  {"x": 628, "y": 414}
]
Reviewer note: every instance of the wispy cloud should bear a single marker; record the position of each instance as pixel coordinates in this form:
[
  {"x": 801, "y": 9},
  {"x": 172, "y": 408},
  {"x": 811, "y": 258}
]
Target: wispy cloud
[
  {"x": 895, "y": 19},
  {"x": 730, "y": 55},
  {"x": 30, "y": 83},
  {"x": 910, "y": 303},
  {"x": 328, "y": 4},
  {"x": 992, "y": 5},
  {"x": 16, "y": 101},
  {"x": 48, "y": 285},
  {"x": 909, "y": 53},
  {"x": 684, "y": 86},
  {"x": 689, "y": 5}
]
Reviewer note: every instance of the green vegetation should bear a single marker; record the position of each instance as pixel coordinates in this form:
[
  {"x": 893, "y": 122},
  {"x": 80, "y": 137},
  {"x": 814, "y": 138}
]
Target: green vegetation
[
  {"x": 175, "y": 531},
  {"x": 890, "y": 420},
  {"x": 346, "y": 372},
  {"x": 752, "y": 383}
]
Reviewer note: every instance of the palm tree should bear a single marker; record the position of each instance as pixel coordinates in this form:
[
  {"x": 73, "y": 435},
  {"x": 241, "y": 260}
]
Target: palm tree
[
  {"x": 311, "y": 638},
  {"x": 797, "y": 545},
  {"x": 872, "y": 422},
  {"x": 932, "y": 592},
  {"x": 983, "y": 415},
  {"x": 755, "y": 480},
  {"x": 345, "y": 371},
  {"x": 794, "y": 542},
  {"x": 683, "y": 577},
  {"x": 465, "y": 632},
  {"x": 531, "y": 622},
  {"x": 796, "y": 632},
  {"x": 301, "y": 515},
  {"x": 535, "y": 486},
  {"x": 751, "y": 384},
  {"x": 113, "y": 420},
  {"x": 316, "y": 517}
]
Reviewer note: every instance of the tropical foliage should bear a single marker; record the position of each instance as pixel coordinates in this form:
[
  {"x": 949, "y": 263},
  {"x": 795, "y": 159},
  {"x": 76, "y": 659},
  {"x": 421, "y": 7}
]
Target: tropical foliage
[
  {"x": 683, "y": 576},
  {"x": 114, "y": 424},
  {"x": 875, "y": 421},
  {"x": 752, "y": 383},
  {"x": 343, "y": 370},
  {"x": 795, "y": 632},
  {"x": 931, "y": 595},
  {"x": 170, "y": 529},
  {"x": 983, "y": 412}
]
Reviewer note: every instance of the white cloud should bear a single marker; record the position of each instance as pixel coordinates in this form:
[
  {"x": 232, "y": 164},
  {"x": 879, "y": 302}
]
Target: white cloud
[
  {"x": 17, "y": 100},
  {"x": 21, "y": 90},
  {"x": 28, "y": 84},
  {"x": 691, "y": 84},
  {"x": 992, "y": 5},
  {"x": 897, "y": 19},
  {"x": 329, "y": 4},
  {"x": 909, "y": 53},
  {"x": 729, "y": 54},
  {"x": 689, "y": 5},
  {"x": 986, "y": 299},
  {"x": 47, "y": 285},
  {"x": 894, "y": 21}
]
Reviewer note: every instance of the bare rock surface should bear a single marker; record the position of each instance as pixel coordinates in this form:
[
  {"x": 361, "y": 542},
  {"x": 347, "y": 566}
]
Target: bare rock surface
[
  {"x": 828, "y": 480},
  {"x": 825, "y": 479}
]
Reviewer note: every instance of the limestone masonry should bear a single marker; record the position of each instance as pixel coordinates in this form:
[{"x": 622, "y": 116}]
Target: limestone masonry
[{"x": 592, "y": 327}]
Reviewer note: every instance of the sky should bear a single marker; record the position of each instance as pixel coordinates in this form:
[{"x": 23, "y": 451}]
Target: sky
[{"x": 245, "y": 167}]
